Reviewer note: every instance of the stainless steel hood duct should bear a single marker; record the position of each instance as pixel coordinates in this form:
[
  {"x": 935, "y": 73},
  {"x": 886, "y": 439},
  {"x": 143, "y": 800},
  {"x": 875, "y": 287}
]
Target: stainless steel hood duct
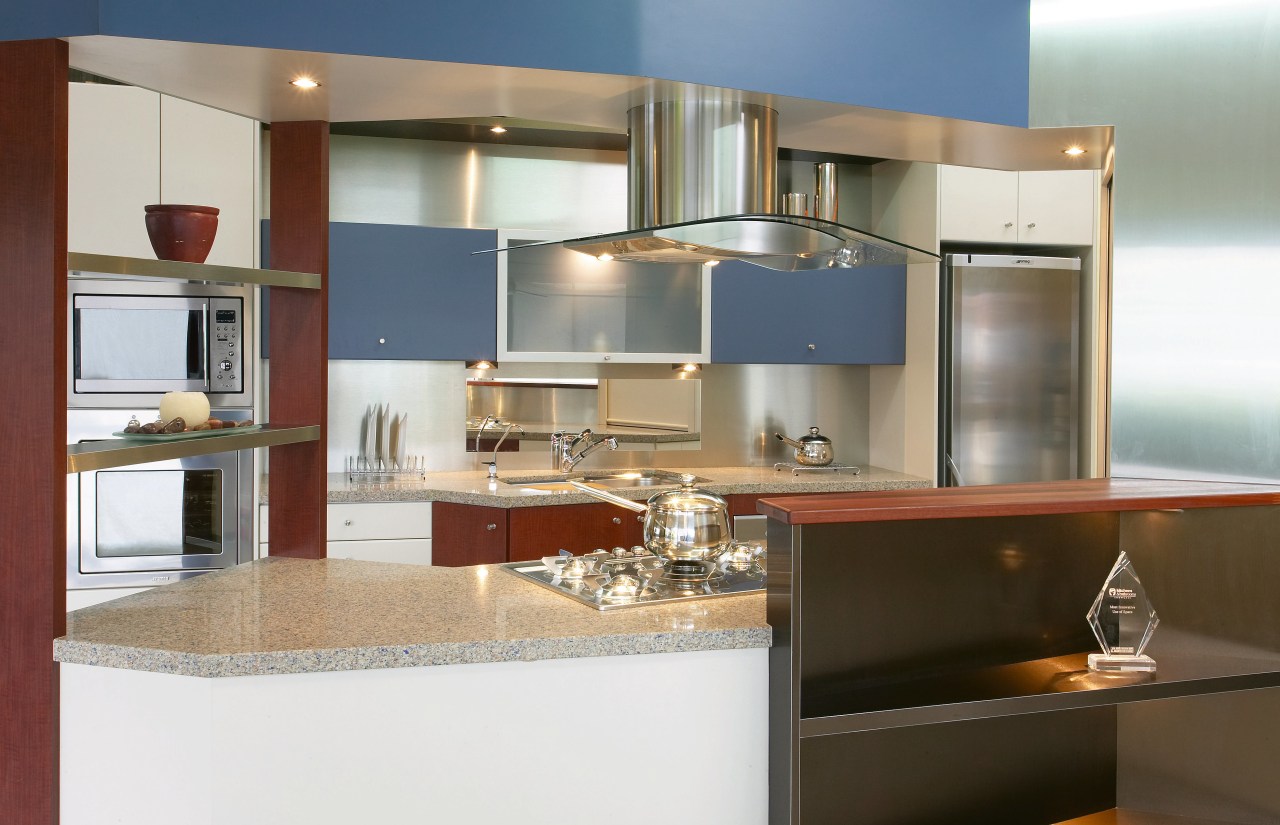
[{"x": 702, "y": 188}]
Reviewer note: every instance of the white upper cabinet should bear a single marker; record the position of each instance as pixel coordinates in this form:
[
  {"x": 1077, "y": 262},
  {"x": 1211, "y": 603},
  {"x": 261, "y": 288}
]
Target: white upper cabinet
[
  {"x": 555, "y": 304},
  {"x": 207, "y": 158},
  {"x": 113, "y": 168},
  {"x": 992, "y": 206},
  {"x": 129, "y": 147}
]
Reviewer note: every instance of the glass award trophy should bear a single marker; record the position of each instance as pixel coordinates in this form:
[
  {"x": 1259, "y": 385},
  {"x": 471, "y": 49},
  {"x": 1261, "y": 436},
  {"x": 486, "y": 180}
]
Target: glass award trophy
[{"x": 1123, "y": 620}]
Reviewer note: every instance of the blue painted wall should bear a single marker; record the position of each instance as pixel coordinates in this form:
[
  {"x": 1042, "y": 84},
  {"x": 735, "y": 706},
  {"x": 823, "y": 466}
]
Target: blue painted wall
[{"x": 965, "y": 60}]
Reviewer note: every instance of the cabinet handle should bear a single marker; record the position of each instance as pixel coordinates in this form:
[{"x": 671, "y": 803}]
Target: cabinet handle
[
  {"x": 382, "y": 340},
  {"x": 346, "y": 523},
  {"x": 617, "y": 520},
  {"x": 640, "y": 517},
  {"x": 491, "y": 527},
  {"x": 1031, "y": 226},
  {"x": 813, "y": 347},
  {"x": 1008, "y": 225}
]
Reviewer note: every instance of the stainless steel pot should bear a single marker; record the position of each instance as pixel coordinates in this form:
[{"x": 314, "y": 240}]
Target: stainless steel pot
[
  {"x": 812, "y": 450},
  {"x": 684, "y": 525}
]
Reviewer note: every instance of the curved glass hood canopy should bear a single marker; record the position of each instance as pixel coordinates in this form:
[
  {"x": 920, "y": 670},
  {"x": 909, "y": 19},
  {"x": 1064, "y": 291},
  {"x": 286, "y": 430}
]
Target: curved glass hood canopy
[
  {"x": 789, "y": 243},
  {"x": 701, "y": 188}
]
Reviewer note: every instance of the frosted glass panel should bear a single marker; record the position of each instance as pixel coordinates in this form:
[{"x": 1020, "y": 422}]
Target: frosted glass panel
[{"x": 563, "y": 301}]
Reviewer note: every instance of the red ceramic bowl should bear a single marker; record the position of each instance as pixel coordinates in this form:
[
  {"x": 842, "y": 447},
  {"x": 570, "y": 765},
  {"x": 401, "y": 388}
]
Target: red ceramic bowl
[{"x": 181, "y": 232}]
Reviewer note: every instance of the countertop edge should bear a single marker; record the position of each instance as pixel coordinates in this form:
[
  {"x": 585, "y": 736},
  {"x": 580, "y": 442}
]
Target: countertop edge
[{"x": 379, "y": 657}]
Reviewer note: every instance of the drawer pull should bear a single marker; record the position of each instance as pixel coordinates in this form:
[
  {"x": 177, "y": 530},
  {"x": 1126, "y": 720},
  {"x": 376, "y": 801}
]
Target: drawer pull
[
  {"x": 640, "y": 517},
  {"x": 617, "y": 520},
  {"x": 346, "y": 523},
  {"x": 491, "y": 527}
]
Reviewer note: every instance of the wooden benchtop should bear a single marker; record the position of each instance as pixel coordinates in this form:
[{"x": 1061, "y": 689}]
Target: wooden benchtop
[{"x": 1039, "y": 498}]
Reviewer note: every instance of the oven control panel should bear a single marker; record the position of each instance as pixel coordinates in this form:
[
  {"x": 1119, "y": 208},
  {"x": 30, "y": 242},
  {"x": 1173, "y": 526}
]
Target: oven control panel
[{"x": 226, "y": 337}]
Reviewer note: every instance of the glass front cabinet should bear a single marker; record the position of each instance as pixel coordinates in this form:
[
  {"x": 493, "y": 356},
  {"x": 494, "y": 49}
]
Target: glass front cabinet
[{"x": 555, "y": 304}]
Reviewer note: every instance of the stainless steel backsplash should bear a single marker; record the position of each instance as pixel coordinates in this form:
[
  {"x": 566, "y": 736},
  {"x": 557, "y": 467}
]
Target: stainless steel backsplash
[{"x": 742, "y": 407}]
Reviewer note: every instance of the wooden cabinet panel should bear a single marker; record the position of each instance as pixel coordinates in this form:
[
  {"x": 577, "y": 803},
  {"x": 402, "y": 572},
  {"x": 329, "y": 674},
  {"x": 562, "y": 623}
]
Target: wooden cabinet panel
[
  {"x": 465, "y": 534},
  {"x": 760, "y": 316},
  {"x": 578, "y": 528}
]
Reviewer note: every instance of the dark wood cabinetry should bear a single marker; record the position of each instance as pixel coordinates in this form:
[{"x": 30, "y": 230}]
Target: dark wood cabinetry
[
  {"x": 579, "y": 528},
  {"x": 464, "y": 534}
]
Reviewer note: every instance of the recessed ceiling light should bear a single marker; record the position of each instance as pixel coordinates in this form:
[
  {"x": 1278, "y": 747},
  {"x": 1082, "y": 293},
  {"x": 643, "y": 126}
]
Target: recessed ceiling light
[
  {"x": 1074, "y": 150},
  {"x": 710, "y": 263},
  {"x": 604, "y": 256},
  {"x": 304, "y": 82},
  {"x": 498, "y": 130}
]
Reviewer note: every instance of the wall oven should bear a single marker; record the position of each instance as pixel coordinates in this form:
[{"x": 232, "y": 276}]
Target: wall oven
[
  {"x": 156, "y": 523},
  {"x": 129, "y": 342}
]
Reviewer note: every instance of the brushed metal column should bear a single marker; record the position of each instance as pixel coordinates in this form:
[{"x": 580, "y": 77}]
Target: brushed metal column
[{"x": 689, "y": 160}]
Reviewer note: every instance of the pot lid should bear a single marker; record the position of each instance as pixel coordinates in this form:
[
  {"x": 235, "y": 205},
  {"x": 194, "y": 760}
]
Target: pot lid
[
  {"x": 814, "y": 438},
  {"x": 788, "y": 243},
  {"x": 687, "y": 499}
]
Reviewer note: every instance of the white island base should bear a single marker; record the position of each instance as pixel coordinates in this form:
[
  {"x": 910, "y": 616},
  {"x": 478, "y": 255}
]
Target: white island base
[{"x": 665, "y": 737}]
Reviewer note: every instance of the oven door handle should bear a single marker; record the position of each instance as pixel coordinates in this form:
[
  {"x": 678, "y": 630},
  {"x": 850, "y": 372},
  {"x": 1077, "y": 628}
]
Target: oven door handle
[{"x": 204, "y": 344}]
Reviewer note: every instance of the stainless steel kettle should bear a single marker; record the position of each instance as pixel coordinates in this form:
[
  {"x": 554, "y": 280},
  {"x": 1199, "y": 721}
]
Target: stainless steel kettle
[{"x": 812, "y": 450}]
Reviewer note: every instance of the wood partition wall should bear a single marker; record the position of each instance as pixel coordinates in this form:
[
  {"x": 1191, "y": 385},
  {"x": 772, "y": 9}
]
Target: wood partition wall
[
  {"x": 298, "y": 392},
  {"x": 33, "y": 454}
]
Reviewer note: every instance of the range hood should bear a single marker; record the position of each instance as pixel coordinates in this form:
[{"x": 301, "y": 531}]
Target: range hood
[{"x": 702, "y": 189}]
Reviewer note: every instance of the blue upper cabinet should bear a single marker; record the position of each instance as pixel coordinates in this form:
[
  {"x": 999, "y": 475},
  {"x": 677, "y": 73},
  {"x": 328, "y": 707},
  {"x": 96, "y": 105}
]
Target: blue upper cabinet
[
  {"x": 408, "y": 292},
  {"x": 840, "y": 316},
  {"x": 936, "y": 57}
]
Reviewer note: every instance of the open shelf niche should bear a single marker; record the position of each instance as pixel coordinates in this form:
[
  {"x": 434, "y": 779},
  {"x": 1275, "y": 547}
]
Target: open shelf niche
[{"x": 929, "y": 659}]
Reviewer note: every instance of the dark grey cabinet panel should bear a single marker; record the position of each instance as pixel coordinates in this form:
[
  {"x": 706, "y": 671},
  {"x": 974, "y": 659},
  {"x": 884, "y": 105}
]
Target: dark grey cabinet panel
[
  {"x": 839, "y": 316},
  {"x": 407, "y": 292}
]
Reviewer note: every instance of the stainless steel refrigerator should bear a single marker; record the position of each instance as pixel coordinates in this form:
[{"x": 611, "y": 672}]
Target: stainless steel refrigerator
[{"x": 1009, "y": 371}]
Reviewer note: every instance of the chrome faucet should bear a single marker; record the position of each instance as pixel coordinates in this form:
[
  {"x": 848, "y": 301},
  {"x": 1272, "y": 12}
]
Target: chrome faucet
[
  {"x": 496, "y": 422},
  {"x": 563, "y": 457}
]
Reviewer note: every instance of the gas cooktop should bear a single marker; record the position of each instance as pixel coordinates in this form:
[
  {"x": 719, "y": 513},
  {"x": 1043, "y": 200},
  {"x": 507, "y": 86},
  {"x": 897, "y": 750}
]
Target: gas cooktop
[{"x": 632, "y": 578}]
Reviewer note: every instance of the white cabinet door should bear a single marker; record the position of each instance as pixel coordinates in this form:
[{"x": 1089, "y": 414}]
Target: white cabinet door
[
  {"x": 379, "y": 520},
  {"x": 113, "y": 168},
  {"x": 992, "y": 206},
  {"x": 1057, "y": 207},
  {"x": 207, "y": 158},
  {"x": 978, "y": 205},
  {"x": 399, "y": 551}
]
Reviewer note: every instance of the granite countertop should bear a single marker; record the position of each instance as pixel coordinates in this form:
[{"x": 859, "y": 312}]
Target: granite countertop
[
  {"x": 474, "y": 487},
  {"x": 281, "y": 615}
]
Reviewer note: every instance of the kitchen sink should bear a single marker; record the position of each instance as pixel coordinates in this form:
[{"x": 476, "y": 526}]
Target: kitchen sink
[{"x": 615, "y": 479}]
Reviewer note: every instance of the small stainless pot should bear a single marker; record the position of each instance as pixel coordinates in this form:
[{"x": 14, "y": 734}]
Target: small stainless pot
[
  {"x": 681, "y": 525},
  {"x": 812, "y": 450}
]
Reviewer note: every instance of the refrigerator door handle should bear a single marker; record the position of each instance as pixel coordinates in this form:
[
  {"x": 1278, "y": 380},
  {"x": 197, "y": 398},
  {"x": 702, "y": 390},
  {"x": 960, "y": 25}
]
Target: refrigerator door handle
[{"x": 955, "y": 471}]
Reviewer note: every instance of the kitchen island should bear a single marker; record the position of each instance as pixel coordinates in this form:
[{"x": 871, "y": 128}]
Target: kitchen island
[{"x": 291, "y": 690}]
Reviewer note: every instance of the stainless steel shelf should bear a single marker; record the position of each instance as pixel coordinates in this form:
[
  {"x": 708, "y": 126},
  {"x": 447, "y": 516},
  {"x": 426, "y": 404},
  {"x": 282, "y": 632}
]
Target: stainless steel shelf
[
  {"x": 119, "y": 452},
  {"x": 84, "y": 263},
  {"x": 1124, "y": 816},
  {"x": 1059, "y": 683}
]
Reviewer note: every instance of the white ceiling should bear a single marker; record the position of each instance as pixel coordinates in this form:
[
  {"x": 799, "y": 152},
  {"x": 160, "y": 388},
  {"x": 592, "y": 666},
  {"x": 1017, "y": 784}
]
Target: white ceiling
[{"x": 254, "y": 82}]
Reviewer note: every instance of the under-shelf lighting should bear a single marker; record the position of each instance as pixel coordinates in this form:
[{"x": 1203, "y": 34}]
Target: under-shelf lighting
[
  {"x": 604, "y": 257},
  {"x": 305, "y": 82},
  {"x": 1074, "y": 151},
  {"x": 482, "y": 365},
  {"x": 687, "y": 368}
]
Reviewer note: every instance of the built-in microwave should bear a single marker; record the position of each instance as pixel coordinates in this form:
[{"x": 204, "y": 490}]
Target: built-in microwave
[{"x": 129, "y": 342}]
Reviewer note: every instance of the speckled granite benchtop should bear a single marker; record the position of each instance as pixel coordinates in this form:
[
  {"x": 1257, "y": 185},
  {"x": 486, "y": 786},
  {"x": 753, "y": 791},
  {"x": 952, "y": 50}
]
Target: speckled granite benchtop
[
  {"x": 473, "y": 487},
  {"x": 295, "y": 616}
]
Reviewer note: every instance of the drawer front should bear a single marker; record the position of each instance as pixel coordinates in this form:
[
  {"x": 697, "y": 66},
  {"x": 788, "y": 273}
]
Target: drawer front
[
  {"x": 399, "y": 551},
  {"x": 400, "y": 520},
  {"x": 578, "y": 528},
  {"x": 466, "y": 534}
]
